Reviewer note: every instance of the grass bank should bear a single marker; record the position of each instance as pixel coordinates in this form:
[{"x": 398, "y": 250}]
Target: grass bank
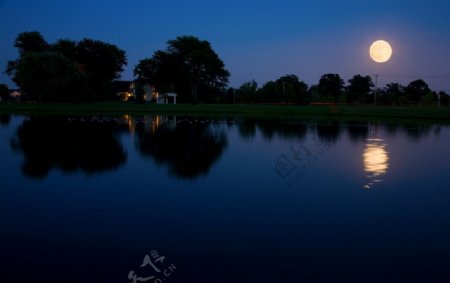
[{"x": 418, "y": 113}]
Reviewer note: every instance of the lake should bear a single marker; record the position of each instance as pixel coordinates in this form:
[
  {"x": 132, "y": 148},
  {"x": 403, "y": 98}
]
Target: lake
[{"x": 194, "y": 199}]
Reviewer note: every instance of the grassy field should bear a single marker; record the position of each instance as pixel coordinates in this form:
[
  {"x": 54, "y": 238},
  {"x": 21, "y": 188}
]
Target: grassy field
[{"x": 429, "y": 114}]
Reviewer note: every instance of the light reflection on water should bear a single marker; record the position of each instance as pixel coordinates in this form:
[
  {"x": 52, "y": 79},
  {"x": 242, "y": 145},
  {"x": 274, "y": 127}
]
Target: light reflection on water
[{"x": 376, "y": 161}]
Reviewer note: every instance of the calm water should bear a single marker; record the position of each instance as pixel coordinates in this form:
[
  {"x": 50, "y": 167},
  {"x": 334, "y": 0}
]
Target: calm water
[{"x": 179, "y": 199}]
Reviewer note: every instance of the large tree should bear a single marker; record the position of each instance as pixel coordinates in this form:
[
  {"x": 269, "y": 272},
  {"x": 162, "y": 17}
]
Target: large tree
[
  {"x": 158, "y": 71},
  {"x": 293, "y": 90},
  {"x": 66, "y": 47},
  {"x": 248, "y": 92},
  {"x": 4, "y": 92},
  {"x": 31, "y": 41},
  {"x": 271, "y": 93},
  {"x": 188, "y": 66},
  {"x": 416, "y": 90},
  {"x": 96, "y": 62},
  {"x": 393, "y": 93},
  {"x": 359, "y": 88},
  {"x": 443, "y": 98},
  {"x": 26, "y": 42},
  {"x": 330, "y": 85},
  {"x": 286, "y": 89},
  {"x": 50, "y": 77},
  {"x": 102, "y": 63}
]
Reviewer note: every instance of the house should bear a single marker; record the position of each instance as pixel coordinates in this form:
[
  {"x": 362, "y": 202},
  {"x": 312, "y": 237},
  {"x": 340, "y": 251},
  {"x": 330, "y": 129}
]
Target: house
[
  {"x": 149, "y": 93},
  {"x": 126, "y": 91},
  {"x": 15, "y": 95},
  {"x": 123, "y": 89}
]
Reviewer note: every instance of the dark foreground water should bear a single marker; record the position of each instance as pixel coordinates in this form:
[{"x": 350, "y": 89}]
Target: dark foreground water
[{"x": 165, "y": 199}]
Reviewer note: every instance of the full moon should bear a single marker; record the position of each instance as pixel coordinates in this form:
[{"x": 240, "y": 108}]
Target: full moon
[{"x": 380, "y": 51}]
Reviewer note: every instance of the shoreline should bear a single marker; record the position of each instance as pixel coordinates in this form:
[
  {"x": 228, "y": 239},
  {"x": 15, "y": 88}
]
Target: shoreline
[{"x": 430, "y": 114}]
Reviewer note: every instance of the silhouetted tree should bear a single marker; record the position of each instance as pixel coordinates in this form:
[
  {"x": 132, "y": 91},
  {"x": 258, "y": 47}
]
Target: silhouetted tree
[
  {"x": 313, "y": 93},
  {"x": 287, "y": 89},
  {"x": 4, "y": 92},
  {"x": 66, "y": 47},
  {"x": 430, "y": 98},
  {"x": 98, "y": 62},
  {"x": 444, "y": 98},
  {"x": 330, "y": 85},
  {"x": 230, "y": 96},
  {"x": 393, "y": 93},
  {"x": 139, "y": 92},
  {"x": 188, "y": 65},
  {"x": 157, "y": 71},
  {"x": 416, "y": 90},
  {"x": 270, "y": 92},
  {"x": 359, "y": 88},
  {"x": 30, "y": 42},
  {"x": 102, "y": 63},
  {"x": 293, "y": 90},
  {"x": 25, "y": 42},
  {"x": 248, "y": 92},
  {"x": 50, "y": 77}
]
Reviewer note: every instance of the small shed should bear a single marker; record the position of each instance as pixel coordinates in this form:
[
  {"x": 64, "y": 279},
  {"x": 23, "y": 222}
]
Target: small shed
[{"x": 166, "y": 98}]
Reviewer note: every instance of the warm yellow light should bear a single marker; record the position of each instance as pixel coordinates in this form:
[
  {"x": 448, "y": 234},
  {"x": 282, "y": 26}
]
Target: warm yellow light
[
  {"x": 381, "y": 51},
  {"x": 155, "y": 124},
  {"x": 376, "y": 159},
  {"x": 130, "y": 122}
]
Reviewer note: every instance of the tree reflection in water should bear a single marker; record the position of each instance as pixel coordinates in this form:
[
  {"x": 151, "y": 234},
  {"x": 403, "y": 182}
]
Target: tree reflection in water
[
  {"x": 5, "y": 119},
  {"x": 358, "y": 131},
  {"x": 416, "y": 132},
  {"x": 270, "y": 128},
  {"x": 189, "y": 148},
  {"x": 328, "y": 132},
  {"x": 70, "y": 145}
]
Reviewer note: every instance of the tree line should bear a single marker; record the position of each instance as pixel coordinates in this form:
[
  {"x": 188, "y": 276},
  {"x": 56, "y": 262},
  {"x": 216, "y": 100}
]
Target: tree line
[
  {"x": 81, "y": 71},
  {"x": 331, "y": 88}
]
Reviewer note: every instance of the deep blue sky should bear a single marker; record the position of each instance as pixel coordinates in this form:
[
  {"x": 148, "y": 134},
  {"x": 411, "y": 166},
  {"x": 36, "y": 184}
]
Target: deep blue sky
[{"x": 256, "y": 39}]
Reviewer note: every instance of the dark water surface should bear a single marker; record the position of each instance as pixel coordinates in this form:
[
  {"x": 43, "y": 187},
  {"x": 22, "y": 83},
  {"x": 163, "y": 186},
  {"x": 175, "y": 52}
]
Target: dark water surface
[{"x": 183, "y": 199}]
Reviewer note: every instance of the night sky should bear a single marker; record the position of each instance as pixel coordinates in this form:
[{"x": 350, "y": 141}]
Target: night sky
[{"x": 256, "y": 39}]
